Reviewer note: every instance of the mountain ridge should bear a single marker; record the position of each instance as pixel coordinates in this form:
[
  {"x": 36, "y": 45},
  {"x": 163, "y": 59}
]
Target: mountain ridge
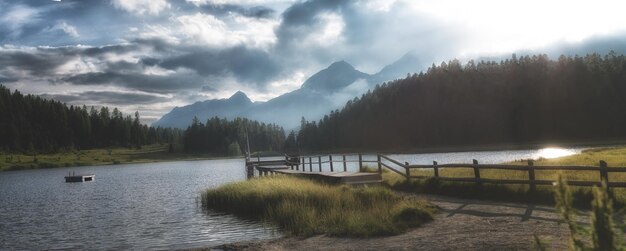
[{"x": 324, "y": 91}]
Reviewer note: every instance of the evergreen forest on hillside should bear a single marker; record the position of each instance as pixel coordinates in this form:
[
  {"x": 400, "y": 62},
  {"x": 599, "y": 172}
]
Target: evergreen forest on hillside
[
  {"x": 525, "y": 100},
  {"x": 32, "y": 124},
  {"x": 228, "y": 138}
]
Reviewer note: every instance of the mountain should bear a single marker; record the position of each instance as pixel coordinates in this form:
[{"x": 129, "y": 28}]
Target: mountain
[
  {"x": 181, "y": 117},
  {"x": 530, "y": 100},
  {"x": 324, "y": 91},
  {"x": 409, "y": 63},
  {"x": 334, "y": 78}
]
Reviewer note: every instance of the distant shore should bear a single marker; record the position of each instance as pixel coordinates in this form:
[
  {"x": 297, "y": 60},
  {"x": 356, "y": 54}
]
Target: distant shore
[
  {"x": 482, "y": 148},
  {"x": 96, "y": 157},
  {"x": 159, "y": 153}
]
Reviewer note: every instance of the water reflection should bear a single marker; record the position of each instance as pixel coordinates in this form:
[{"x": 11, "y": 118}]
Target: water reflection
[{"x": 553, "y": 152}]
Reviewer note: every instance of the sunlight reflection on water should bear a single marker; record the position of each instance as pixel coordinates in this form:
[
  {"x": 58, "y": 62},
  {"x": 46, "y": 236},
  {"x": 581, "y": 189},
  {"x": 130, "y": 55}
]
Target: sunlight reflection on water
[{"x": 553, "y": 152}]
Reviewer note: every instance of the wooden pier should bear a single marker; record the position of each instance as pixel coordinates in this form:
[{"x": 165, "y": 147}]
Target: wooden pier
[{"x": 291, "y": 166}]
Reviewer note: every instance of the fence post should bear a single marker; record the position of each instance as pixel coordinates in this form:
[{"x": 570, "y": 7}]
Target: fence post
[
  {"x": 407, "y": 171},
  {"x": 531, "y": 175},
  {"x": 436, "y": 169},
  {"x": 604, "y": 174},
  {"x": 476, "y": 172},
  {"x": 380, "y": 165},
  {"x": 360, "y": 162},
  {"x": 319, "y": 162},
  {"x": 310, "y": 164},
  {"x": 345, "y": 167}
]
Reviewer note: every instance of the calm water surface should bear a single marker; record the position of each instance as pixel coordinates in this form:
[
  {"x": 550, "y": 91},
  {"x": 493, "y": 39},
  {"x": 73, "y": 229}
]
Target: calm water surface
[
  {"x": 153, "y": 206},
  {"x": 139, "y": 206}
]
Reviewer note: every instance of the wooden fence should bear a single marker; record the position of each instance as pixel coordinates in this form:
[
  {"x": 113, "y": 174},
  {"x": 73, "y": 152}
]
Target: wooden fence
[
  {"x": 314, "y": 163},
  {"x": 602, "y": 169}
]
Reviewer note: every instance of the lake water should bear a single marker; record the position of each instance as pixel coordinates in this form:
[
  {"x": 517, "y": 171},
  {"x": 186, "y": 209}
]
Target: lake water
[{"x": 152, "y": 206}]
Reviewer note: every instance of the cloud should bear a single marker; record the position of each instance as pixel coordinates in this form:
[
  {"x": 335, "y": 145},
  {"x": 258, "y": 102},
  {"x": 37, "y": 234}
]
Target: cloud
[
  {"x": 106, "y": 97},
  {"x": 17, "y": 17},
  {"x": 229, "y": 9},
  {"x": 34, "y": 62},
  {"x": 65, "y": 28},
  {"x": 247, "y": 65},
  {"x": 231, "y": 30},
  {"x": 141, "y": 7}
]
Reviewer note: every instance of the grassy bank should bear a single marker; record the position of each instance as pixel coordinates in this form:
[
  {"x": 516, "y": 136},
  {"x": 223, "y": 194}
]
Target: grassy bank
[
  {"x": 543, "y": 194},
  {"x": 151, "y": 153},
  {"x": 303, "y": 207}
]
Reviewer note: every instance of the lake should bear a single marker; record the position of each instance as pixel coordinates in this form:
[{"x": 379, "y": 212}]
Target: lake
[{"x": 154, "y": 205}]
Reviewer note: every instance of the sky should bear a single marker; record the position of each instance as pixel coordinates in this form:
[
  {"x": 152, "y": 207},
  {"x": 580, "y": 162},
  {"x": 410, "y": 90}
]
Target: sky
[{"x": 153, "y": 55}]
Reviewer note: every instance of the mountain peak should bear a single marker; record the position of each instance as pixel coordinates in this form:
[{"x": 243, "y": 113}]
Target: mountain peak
[
  {"x": 340, "y": 64},
  {"x": 239, "y": 96},
  {"x": 335, "y": 77},
  {"x": 408, "y": 63}
]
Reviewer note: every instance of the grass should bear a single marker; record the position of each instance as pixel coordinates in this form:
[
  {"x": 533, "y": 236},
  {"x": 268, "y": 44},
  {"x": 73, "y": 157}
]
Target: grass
[
  {"x": 304, "y": 207},
  {"x": 112, "y": 156},
  {"x": 544, "y": 194}
]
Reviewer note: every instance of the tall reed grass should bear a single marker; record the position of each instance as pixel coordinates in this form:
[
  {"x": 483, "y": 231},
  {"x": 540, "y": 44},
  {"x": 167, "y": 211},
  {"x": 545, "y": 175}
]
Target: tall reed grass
[{"x": 303, "y": 207}]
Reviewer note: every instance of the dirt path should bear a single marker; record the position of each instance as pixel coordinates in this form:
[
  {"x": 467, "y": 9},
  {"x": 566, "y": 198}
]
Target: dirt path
[{"x": 463, "y": 224}]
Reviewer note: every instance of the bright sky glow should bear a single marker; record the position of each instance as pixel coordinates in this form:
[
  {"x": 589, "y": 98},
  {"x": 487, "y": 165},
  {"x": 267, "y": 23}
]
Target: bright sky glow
[{"x": 505, "y": 26}]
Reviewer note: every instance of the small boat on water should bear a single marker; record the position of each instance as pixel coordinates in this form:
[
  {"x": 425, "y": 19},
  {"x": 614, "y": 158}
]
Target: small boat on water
[{"x": 79, "y": 178}]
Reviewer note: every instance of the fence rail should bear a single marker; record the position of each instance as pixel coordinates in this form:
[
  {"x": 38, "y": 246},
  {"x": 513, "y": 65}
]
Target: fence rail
[{"x": 311, "y": 163}]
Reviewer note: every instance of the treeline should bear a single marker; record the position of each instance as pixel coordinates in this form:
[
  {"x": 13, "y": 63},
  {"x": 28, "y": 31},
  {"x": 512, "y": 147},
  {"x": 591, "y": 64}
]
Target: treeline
[
  {"x": 34, "y": 124},
  {"x": 224, "y": 137},
  {"x": 526, "y": 100}
]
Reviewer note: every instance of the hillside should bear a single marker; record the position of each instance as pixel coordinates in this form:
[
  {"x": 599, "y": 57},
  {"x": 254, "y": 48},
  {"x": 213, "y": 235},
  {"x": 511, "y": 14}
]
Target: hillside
[{"x": 524, "y": 100}]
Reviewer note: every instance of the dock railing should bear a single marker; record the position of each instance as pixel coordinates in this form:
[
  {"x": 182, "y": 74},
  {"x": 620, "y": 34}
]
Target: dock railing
[{"x": 339, "y": 163}]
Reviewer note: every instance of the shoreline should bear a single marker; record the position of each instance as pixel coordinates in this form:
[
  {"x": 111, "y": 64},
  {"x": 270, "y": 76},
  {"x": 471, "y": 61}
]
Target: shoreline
[
  {"x": 462, "y": 224},
  {"x": 161, "y": 154},
  {"x": 98, "y": 157}
]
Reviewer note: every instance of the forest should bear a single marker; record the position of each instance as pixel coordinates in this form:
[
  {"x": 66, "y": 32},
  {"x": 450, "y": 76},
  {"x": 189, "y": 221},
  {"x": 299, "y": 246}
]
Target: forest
[
  {"x": 228, "y": 138},
  {"x": 34, "y": 124},
  {"x": 525, "y": 100}
]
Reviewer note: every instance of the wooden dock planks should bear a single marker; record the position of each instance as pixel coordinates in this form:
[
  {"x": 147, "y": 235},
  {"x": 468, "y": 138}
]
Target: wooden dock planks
[{"x": 331, "y": 177}]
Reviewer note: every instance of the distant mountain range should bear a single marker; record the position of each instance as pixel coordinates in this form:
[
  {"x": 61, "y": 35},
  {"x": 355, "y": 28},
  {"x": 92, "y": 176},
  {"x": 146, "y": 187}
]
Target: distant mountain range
[{"x": 326, "y": 90}]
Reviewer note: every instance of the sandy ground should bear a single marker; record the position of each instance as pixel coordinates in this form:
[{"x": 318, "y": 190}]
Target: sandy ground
[{"x": 462, "y": 224}]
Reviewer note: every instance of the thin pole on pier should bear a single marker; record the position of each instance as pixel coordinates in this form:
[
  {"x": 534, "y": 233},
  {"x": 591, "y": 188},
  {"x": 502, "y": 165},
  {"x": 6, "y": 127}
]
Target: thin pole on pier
[
  {"x": 310, "y": 165},
  {"x": 380, "y": 165},
  {"x": 319, "y": 162},
  {"x": 360, "y": 162},
  {"x": 330, "y": 159},
  {"x": 345, "y": 168}
]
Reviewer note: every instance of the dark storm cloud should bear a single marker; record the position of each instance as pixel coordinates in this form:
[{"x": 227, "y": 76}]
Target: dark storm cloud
[
  {"x": 248, "y": 65},
  {"x": 225, "y": 9},
  {"x": 137, "y": 81},
  {"x": 106, "y": 97},
  {"x": 37, "y": 63},
  {"x": 7, "y": 80},
  {"x": 301, "y": 18}
]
